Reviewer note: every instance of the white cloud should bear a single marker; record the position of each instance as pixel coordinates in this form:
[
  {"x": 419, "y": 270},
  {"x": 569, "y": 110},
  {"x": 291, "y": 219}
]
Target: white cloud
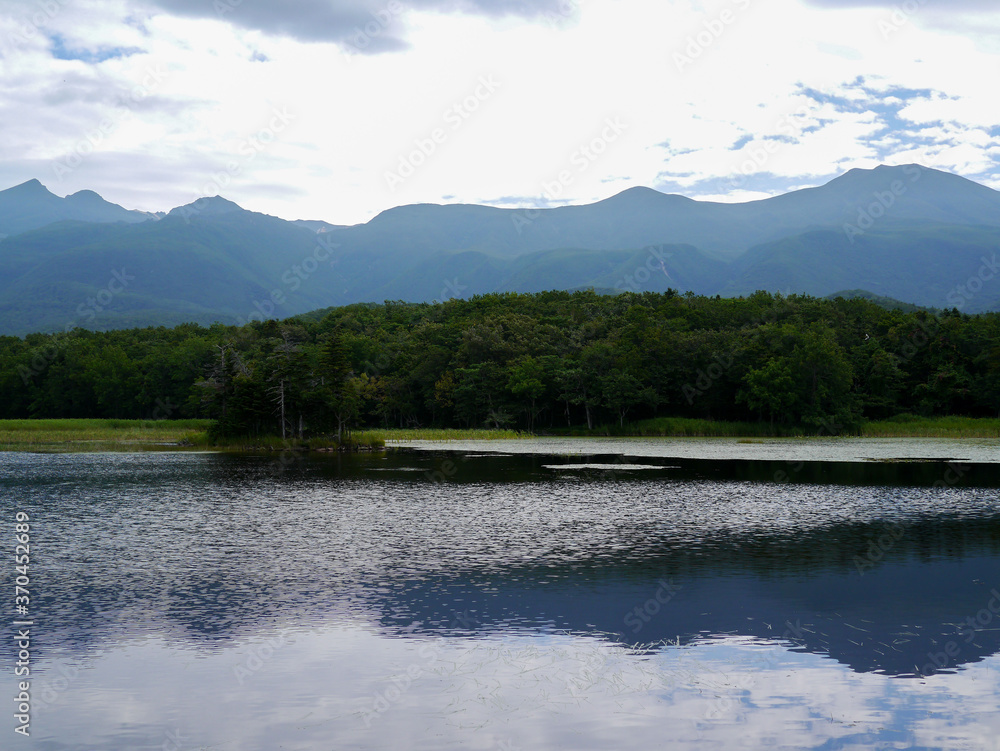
[
  {"x": 556, "y": 690},
  {"x": 354, "y": 117}
]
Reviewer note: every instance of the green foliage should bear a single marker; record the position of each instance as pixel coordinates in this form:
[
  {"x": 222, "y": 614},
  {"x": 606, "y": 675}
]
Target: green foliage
[
  {"x": 97, "y": 434},
  {"x": 907, "y": 425},
  {"x": 396, "y": 435},
  {"x": 538, "y": 362},
  {"x": 687, "y": 427}
]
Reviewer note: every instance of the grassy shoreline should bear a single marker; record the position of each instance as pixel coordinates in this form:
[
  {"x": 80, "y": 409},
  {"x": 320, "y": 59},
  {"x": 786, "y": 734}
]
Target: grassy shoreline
[
  {"x": 97, "y": 434},
  {"x": 167, "y": 435},
  {"x": 161, "y": 435},
  {"x": 901, "y": 426}
]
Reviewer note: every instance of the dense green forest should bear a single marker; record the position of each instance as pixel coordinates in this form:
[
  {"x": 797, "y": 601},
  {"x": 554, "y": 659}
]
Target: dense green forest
[{"x": 538, "y": 361}]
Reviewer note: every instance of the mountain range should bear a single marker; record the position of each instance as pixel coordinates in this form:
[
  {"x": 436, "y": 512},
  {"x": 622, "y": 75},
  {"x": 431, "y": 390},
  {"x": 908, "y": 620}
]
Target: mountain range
[{"x": 908, "y": 232}]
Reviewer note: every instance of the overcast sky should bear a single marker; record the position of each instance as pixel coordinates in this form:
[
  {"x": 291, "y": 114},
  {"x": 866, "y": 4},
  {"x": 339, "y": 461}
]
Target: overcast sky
[{"x": 340, "y": 109}]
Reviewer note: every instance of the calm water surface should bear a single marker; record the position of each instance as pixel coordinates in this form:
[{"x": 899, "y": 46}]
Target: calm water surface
[{"x": 592, "y": 597}]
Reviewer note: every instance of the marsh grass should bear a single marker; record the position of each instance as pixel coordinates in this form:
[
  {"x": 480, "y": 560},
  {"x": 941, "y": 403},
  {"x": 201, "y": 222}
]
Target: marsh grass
[
  {"x": 901, "y": 426},
  {"x": 98, "y": 435},
  {"x": 392, "y": 435},
  {"x": 679, "y": 426},
  {"x": 271, "y": 443},
  {"x": 911, "y": 426},
  {"x": 685, "y": 427},
  {"x": 367, "y": 439},
  {"x": 159, "y": 435}
]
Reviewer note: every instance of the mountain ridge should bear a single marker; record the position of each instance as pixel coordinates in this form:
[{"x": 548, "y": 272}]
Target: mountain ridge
[
  {"x": 905, "y": 232},
  {"x": 874, "y": 180},
  {"x": 31, "y": 205}
]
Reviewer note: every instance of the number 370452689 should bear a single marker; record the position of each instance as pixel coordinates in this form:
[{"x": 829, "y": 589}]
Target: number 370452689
[{"x": 22, "y": 533}]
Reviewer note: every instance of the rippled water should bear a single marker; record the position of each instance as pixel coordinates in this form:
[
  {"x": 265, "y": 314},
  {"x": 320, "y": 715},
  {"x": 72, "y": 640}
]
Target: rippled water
[
  {"x": 830, "y": 449},
  {"x": 441, "y": 599}
]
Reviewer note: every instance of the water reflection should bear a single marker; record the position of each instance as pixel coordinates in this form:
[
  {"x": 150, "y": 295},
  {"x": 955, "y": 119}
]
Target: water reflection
[
  {"x": 206, "y": 547},
  {"x": 256, "y": 575}
]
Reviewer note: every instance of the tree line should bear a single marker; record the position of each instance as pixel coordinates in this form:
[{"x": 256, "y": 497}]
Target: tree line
[{"x": 536, "y": 362}]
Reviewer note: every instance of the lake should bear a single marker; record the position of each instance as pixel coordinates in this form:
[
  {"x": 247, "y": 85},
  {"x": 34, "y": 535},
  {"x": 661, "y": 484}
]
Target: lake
[{"x": 515, "y": 595}]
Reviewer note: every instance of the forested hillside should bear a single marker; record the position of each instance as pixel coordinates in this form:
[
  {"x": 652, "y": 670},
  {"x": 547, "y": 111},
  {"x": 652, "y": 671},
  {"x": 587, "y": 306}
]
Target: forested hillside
[
  {"x": 907, "y": 232},
  {"x": 533, "y": 361}
]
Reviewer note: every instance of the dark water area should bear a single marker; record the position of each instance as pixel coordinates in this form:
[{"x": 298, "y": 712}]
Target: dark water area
[{"x": 448, "y": 599}]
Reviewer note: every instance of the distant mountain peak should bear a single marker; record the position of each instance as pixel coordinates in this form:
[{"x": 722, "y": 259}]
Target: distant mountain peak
[
  {"x": 32, "y": 186},
  {"x": 206, "y": 206},
  {"x": 31, "y": 205},
  {"x": 86, "y": 197},
  {"x": 908, "y": 172},
  {"x": 639, "y": 190},
  {"x": 641, "y": 195},
  {"x": 880, "y": 170}
]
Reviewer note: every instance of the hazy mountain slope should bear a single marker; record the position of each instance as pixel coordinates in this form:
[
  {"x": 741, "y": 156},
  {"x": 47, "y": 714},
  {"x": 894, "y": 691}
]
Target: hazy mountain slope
[
  {"x": 205, "y": 267},
  {"x": 909, "y": 192},
  {"x": 908, "y": 233},
  {"x": 30, "y": 205},
  {"x": 651, "y": 269},
  {"x": 926, "y": 265},
  {"x": 640, "y": 216},
  {"x": 473, "y": 272},
  {"x": 888, "y": 303}
]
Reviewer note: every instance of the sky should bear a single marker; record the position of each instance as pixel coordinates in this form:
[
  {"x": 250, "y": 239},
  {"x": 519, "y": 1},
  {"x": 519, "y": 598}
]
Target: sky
[{"x": 340, "y": 109}]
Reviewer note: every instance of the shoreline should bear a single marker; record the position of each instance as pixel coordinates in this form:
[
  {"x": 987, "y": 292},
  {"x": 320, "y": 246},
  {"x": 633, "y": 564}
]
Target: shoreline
[{"x": 89, "y": 435}]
